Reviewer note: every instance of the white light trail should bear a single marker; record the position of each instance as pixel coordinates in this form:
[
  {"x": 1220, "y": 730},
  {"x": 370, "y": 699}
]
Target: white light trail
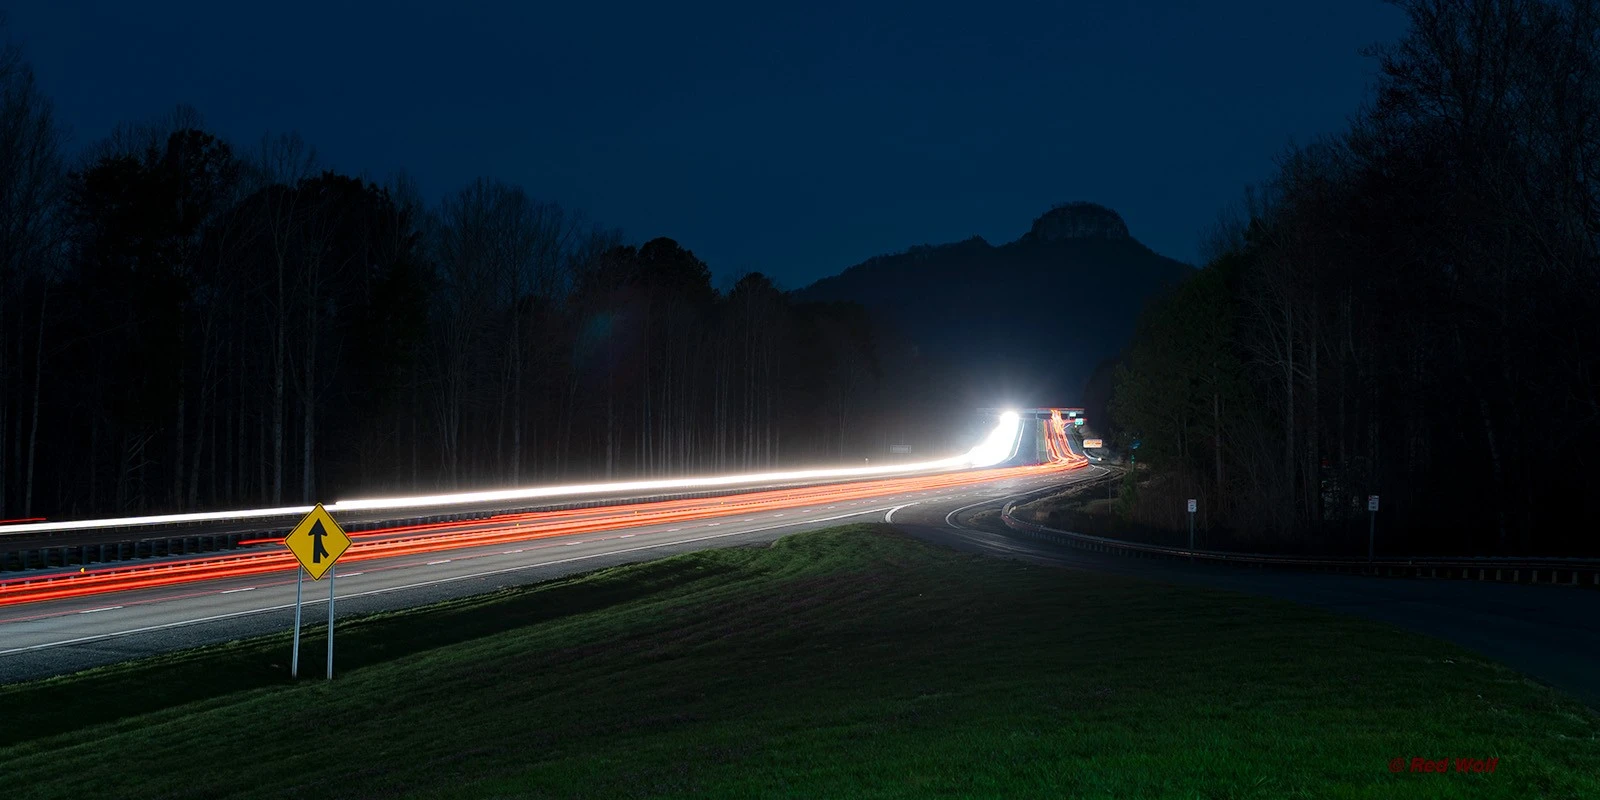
[{"x": 998, "y": 446}]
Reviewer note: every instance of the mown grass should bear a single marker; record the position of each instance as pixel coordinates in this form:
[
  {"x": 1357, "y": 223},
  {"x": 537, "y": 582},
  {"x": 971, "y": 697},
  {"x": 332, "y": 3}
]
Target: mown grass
[{"x": 847, "y": 663}]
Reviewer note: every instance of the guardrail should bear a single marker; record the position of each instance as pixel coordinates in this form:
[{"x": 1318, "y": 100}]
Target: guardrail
[
  {"x": 186, "y": 538},
  {"x": 1560, "y": 571}
]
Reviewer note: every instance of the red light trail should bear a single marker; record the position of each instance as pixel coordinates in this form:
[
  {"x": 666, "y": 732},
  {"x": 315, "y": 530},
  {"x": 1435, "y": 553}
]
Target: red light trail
[{"x": 502, "y": 529}]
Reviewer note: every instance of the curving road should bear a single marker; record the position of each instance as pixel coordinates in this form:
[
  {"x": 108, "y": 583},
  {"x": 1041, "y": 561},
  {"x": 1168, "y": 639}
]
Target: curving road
[
  {"x": 1551, "y": 633},
  {"x": 55, "y": 636}
]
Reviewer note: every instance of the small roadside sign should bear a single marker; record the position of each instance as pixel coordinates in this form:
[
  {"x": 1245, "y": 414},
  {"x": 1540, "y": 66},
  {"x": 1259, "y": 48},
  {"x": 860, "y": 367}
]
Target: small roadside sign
[
  {"x": 1093, "y": 444},
  {"x": 1192, "y": 505},
  {"x": 900, "y": 449},
  {"x": 317, "y": 542},
  {"x": 1372, "y": 502}
]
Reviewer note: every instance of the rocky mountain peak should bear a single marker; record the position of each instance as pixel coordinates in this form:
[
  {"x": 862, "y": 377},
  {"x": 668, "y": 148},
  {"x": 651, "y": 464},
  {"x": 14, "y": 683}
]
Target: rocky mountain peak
[{"x": 1078, "y": 220}]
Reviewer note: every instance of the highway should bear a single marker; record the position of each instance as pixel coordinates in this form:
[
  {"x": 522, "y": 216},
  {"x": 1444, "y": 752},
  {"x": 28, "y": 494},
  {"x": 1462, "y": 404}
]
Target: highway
[
  {"x": 1551, "y": 633},
  {"x": 125, "y": 612}
]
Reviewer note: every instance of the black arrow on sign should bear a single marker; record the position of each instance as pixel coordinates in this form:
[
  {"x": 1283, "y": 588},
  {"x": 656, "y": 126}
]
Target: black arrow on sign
[{"x": 316, "y": 533}]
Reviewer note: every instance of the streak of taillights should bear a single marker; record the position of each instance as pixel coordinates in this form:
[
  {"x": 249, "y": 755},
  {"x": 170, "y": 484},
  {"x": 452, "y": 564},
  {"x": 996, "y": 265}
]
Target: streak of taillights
[{"x": 500, "y": 529}]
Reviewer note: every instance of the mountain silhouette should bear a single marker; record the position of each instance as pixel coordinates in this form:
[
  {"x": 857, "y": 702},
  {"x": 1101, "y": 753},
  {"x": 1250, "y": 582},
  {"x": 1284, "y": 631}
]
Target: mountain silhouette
[{"x": 1028, "y": 321}]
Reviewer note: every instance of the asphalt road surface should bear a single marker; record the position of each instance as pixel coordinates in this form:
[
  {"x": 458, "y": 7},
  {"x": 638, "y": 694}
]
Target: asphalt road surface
[
  {"x": 47, "y": 638},
  {"x": 1551, "y": 633}
]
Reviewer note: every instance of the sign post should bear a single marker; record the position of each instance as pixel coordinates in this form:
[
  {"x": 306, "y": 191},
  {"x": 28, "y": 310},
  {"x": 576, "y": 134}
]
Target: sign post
[
  {"x": 332, "y": 573},
  {"x": 1192, "y": 506},
  {"x": 1372, "y": 522},
  {"x": 317, "y": 543},
  {"x": 299, "y": 586}
]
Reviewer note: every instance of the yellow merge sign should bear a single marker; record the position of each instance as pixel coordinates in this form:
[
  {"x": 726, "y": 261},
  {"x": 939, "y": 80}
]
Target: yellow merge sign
[{"x": 317, "y": 541}]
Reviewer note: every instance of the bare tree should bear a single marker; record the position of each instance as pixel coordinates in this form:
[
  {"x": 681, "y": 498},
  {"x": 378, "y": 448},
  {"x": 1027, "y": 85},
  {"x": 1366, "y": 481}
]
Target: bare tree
[
  {"x": 281, "y": 161},
  {"x": 30, "y": 186},
  {"x": 465, "y": 235}
]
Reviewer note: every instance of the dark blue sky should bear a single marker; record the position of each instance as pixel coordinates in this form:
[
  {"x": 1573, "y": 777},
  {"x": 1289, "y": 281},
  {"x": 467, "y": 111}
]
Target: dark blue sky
[{"x": 794, "y": 139}]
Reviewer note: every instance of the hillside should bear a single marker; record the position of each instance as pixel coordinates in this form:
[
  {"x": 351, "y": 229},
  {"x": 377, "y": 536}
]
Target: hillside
[
  {"x": 1033, "y": 317},
  {"x": 853, "y": 662}
]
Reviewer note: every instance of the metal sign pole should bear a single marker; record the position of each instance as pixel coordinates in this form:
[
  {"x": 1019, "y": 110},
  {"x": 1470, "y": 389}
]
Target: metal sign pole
[
  {"x": 333, "y": 572},
  {"x": 1372, "y": 523},
  {"x": 1193, "y": 506},
  {"x": 1372, "y": 531},
  {"x": 317, "y": 543},
  {"x": 294, "y": 660}
]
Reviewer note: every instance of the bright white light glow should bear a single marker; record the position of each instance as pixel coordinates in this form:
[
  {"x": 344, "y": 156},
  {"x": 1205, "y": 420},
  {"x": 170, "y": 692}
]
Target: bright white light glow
[{"x": 1001, "y": 444}]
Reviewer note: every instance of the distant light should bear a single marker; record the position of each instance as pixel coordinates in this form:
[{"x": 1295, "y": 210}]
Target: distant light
[
  {"x": 995, "y": 448},
  {"x": 998, "y": 445}
]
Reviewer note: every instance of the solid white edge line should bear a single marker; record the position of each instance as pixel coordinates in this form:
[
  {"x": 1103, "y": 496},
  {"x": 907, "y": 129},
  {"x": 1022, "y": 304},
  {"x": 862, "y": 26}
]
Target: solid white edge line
[
  {"x": 99, "y": 637},
  {"x": 949, "y": 519},
  {"x": 889, "y": 517}
]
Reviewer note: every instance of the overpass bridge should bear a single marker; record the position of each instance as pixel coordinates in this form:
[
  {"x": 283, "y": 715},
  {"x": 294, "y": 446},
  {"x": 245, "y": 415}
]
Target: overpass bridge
[{"x": 1038, "y": 445}]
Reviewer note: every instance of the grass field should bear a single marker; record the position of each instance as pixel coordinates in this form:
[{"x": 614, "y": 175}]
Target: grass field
[{"x": 847, "y": 663}]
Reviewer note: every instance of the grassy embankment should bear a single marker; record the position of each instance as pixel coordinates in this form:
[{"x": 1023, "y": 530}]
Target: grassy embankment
[
  {"x": 852, "y": 662},
  {"x": 1094, "y": 508}
]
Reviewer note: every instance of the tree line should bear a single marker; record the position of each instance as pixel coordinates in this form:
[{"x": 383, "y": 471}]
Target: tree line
[
  {"x": 1407, "y": 310},
  {"x": 188, "y": 323}
]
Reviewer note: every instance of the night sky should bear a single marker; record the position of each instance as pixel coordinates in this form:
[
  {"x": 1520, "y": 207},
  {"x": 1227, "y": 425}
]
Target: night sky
[{"x": 794, "y": 140}]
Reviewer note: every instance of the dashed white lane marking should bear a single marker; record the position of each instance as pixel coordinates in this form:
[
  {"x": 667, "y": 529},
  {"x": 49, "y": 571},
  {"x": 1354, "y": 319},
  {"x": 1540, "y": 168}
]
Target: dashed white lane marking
[
  {"x": 626, "y": 536},
  {"x": 713, "y": 525},
  {"x": 509, "y": 552},
  {"x": 246, "y": 589},
  {"x": 441, "y": 561},
  {"x": 352, "y": 574},
  {"x": 569, "y": 544},
  {"x": 93, "y": 610},
  {"x": 98, "y": 637},
  {"x": 775, "y": 516}
]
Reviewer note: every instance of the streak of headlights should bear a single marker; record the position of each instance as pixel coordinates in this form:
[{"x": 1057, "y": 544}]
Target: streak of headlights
[
  {"x": 995, "y": 448},
  {"x": 516, "y": 528}
]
